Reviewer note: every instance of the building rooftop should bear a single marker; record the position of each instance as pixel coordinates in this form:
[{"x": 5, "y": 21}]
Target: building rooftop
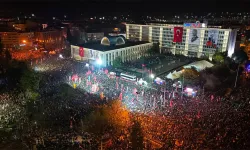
[{"x": 98, "y": 46}]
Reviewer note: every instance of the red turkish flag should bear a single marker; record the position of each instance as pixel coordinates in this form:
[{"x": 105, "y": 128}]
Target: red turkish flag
[
  {"x": 81, "y": 51},
  {"x": 178, "y": 32}
]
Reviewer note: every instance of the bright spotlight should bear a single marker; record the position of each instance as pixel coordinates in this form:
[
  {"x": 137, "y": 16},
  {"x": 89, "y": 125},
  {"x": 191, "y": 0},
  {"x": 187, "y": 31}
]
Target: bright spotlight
[
  {"x": 87, "y": 65},
  {"x": 152, "y": 76},
  {"x": 60, "y": 56},
  {"x": 99, "y": 61}
]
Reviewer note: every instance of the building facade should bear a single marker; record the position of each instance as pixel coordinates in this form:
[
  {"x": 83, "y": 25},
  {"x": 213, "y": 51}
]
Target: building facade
[
  {"x": 50, "y": 39},
  {"x": 94, "y": 36},
  {"x": 166, "y": 34},
  {"x": 16, "y": 40},
  {"x": 107, "y": 56}
]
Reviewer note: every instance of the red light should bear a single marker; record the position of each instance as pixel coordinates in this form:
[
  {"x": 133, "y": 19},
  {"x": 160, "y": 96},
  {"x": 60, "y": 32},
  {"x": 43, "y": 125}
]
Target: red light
[{"x": 242, "y": 35}]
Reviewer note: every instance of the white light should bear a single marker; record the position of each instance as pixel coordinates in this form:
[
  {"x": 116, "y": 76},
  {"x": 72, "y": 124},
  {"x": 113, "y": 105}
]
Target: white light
[
  {"x": 189, "y": 90},
  {"x": 152, "y": 76},
  {"x": 60, "y": 56},
  {"x": 99, "y": 61},
  {"x": 87, "y": 65}
]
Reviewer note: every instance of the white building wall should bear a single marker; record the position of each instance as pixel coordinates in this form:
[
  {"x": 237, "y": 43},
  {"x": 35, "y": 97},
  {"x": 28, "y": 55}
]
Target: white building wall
[
  {"x": 126, "y": 54},
  {"x": 185, "y": 48}
]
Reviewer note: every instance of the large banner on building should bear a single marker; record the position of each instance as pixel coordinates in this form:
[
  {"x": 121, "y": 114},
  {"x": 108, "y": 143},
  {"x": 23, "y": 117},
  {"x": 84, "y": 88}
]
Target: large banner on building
[
  {"x": 212, "y": 38},
  {"x": 81, "y": 51},
  {"x": 178, "y": 32},
  {"x": 194, "y": 36}
]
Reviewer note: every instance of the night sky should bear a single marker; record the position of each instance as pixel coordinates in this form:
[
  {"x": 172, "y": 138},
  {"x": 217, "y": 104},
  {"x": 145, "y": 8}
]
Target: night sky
[{"x": 139, "y": 7}]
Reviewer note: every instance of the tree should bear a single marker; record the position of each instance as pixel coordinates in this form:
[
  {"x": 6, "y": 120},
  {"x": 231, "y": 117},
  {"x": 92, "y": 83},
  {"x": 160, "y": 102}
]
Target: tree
[
  {"x": 154, "y": 49},
  {"x": 66, "y": 52},
  {"x": 190, "y": 75},
  {"x": 106, "y": 118},
  {"x": 1, "y": 47},
  {"x": 117, "y": 63},
  {"x": 136, "y": 136},
  {"x": 218, "y": 57},
  {"x": 239, "y": 56},
  {"x": 29, "y": 84},
  {"x": 8, "y": 56},
  {"x": 1, "y": 58},
  {"x": 69, "y": 36}
]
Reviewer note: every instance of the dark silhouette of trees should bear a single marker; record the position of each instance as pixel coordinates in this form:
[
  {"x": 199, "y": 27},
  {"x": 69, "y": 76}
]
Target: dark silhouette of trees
[
  {"x": 137, "y": 136},
  {"x": 239, "y": 56}
]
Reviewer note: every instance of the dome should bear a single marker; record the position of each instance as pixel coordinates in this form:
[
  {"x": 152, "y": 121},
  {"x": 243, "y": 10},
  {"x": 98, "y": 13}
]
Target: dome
[{"x": 112, "y": 40}]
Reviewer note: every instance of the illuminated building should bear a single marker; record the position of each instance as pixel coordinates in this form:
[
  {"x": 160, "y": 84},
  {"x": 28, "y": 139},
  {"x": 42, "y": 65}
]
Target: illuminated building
[
  {"x": 164, "y": 35},
  {"x": 50, "y": 39},
  {"x": 94, "y": 36},
  {"x": 13, "y": 39},
  {"x": 104, "y": 52}
]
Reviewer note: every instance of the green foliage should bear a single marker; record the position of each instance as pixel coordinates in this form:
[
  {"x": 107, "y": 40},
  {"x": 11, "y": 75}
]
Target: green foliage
[
  {"x": 136, "y": 136},
  {"x": 31, "y": 95},
  {"x": 190, "y": 73},
  {"x": 29, "y": 84},
  {"x": 117, "y": 63},
  {"x": 190, "y": 76},
  {"x": 218, "y": 57},
  {"x": 30, "y": 80}
]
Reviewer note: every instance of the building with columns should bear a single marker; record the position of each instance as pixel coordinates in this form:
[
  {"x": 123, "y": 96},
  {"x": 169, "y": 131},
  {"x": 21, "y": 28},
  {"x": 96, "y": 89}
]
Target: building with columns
[
  {"x": 209, "y": 40},
  {"x": 108, "y": 49}
]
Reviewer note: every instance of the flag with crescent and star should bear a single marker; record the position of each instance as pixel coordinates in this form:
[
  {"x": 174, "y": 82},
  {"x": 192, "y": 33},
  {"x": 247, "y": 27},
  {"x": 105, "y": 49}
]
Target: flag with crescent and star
[
  {"x": 81, "y": 51},
  {"x": 178, "y": 32}
]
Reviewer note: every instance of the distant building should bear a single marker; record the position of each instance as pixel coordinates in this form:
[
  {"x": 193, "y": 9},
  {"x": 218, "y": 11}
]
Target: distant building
[
  {"x": 16, "y": 40},
  {"x": 50, "y": 39},
  {"x": 78, "y": 35},
  {"x": 25, "y": 25},
  {"x": 108, "y": 49},
  {"x": 190, "y": 39},
  {"x": 94, "y": 36}
]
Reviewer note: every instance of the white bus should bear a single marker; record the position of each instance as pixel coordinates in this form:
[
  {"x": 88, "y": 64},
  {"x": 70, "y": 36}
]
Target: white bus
[{"x": 128, "y": 77}]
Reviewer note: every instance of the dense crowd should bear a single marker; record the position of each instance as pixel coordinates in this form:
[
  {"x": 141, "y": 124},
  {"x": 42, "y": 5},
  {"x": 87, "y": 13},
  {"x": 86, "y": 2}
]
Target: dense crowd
[{"x": 202, "y": 122}]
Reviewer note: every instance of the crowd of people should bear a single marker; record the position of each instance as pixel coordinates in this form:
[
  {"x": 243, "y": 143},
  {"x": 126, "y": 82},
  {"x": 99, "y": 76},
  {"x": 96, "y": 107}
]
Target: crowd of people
[
  {"x": 203, "y": 122},
  {"x": 26, "y": 55}
]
